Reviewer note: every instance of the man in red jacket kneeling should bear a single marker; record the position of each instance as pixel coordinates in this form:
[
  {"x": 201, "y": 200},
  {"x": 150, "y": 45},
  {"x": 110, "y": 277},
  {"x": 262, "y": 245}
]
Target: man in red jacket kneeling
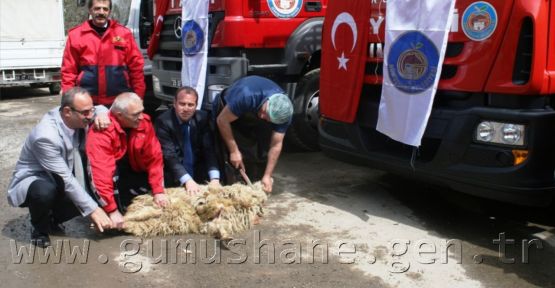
[{"x": 126, "y": 158}]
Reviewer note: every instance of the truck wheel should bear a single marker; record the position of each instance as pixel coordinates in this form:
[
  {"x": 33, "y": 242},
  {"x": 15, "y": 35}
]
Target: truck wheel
[
  {"x": 54, "y": 88},
  {"x": 303, "y": 132}
]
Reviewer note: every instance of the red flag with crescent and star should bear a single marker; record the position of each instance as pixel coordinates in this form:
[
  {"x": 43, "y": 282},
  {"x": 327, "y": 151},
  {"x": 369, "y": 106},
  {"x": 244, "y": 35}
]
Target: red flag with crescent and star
[
  {"x": 161, "y": 8},
  {"x": 344, "y": 42}
]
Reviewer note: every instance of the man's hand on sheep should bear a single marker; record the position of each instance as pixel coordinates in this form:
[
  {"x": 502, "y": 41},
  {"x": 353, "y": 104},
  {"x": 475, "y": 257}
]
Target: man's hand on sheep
[
  {"x": 215, "y": 182},
  {"x": 117, "y": 220},
  {"x": 267, "y": 183},
  {"x": 100, "y": 220},
  {"x": 161, "y": 199},
  {"x": 192, "y": 187}
]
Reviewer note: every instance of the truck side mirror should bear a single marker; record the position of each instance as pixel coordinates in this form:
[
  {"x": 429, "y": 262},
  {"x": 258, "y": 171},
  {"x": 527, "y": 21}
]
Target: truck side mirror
[
  {"x": 145, "y": 32},
  {"x": 146, "y": 23}
]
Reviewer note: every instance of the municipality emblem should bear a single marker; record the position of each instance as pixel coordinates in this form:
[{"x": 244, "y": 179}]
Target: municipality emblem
[
  {"x": 479, "y": 21},
  {"x": 412, "y": 62},
  {"x": 285, "y": 8},
  {"x": 192, "y": 38}
]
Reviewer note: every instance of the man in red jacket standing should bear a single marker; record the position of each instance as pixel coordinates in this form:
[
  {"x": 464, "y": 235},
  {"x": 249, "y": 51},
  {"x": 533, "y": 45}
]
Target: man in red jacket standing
[
  {"x": 126, "y": 158},
  {"x": 101, "y": 56}
]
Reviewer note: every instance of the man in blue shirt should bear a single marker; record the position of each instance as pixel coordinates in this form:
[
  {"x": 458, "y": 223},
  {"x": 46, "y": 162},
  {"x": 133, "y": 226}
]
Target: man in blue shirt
[{"x": 258, "y": 110}]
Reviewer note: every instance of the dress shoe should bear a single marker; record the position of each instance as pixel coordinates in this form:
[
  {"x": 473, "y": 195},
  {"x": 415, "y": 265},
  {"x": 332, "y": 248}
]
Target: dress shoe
[
  {"x": 40, "y": 239},
  {"x": 56, "y": 227}
]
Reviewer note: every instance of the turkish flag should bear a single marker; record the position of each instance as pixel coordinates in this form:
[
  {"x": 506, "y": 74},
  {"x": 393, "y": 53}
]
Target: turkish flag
[
  {"x": 161, "y": 8},
  {"x": 344, "y": 42}
]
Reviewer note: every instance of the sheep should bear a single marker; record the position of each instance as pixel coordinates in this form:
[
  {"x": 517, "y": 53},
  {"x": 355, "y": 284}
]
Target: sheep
[{"x": 217, "y": 211}]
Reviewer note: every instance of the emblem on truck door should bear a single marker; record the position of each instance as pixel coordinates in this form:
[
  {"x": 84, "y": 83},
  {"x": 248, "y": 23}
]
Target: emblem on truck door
[
  {"x": 479, "y": 21},
  {"x": 177, "y": 27},
  {"x": 285, "y": 8}
]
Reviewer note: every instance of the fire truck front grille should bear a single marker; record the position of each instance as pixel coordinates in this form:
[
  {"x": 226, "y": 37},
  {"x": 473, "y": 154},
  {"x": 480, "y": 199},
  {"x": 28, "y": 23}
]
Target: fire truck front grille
[
  {"x": 374, "y": 68},
  {"x": 454, "y": 49},
  {"x": 169, "y": 90},
  {"x": 172, "y": 65},
  {"x": 523, "y": 57},
  {"x": 448, "y": 71},
  {"x": 170, "y": 44}
]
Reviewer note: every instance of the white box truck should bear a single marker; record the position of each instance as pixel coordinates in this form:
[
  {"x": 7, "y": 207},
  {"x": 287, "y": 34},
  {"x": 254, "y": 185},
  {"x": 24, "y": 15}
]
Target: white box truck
[{"x": 31, "y": 43}]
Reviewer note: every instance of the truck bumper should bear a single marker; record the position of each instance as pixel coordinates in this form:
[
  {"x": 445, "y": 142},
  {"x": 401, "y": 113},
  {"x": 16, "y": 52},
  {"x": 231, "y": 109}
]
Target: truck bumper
[
  {"x": 449, "y": 156},
  {"x": 21, "y": 77}
]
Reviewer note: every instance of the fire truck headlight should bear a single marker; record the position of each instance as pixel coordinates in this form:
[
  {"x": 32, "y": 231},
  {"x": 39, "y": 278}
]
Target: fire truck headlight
[
  {"x": 485, "y": 132},
  {"x": 500, "y": 133},
  {"x": 156, "y": 84},
  {"x": 512, "y": 134}
]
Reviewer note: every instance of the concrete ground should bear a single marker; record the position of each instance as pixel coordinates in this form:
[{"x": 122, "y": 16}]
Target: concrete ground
[{"x": 328, "y": 224}]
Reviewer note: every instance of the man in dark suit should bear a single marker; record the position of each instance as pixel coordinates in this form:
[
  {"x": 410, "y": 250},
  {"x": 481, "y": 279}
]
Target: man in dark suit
[{"x": 187, "y": 143}]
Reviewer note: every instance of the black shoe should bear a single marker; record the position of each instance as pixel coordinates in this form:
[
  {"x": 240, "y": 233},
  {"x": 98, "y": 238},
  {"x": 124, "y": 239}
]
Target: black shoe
[
  {"x": 56, "y": 227},
  {"x": 40, "y": 239}
]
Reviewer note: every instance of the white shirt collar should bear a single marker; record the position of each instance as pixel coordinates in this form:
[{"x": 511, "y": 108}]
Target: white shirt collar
[{"x": 68, "y": 131}]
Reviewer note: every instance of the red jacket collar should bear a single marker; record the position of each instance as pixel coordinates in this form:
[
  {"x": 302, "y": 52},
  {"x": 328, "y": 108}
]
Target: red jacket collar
[{"x": 88, "y": 28}]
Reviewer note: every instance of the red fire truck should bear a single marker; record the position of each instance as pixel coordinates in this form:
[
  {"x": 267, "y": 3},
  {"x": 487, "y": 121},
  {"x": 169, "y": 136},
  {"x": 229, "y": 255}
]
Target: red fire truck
[
  {"x": 491, "y": 131},
  {"x": 278, "y": 39}
]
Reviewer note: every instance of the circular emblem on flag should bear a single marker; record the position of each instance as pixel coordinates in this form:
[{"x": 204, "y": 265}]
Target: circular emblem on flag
[
  {"x": 285, "y": 8},
  {"x": 412, "y": 62},
  {"x": 479, "y": 21},
  {"x": 192, "y": 38}
]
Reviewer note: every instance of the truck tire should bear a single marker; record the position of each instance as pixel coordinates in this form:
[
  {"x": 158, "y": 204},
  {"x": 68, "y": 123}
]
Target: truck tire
[
  {"x": 54, "y": 88},
  {"x": 303, "y": 132}
]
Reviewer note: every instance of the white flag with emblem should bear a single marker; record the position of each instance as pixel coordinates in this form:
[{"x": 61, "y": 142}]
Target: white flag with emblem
[
  {"x": 194, "y": 40},
  {"x": 415, "y": 44}
]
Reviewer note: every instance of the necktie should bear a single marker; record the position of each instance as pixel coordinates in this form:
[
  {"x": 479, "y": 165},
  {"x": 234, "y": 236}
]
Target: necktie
[
  {"x": 187, "y": 149},
  {"x": 78, "y": 170}
]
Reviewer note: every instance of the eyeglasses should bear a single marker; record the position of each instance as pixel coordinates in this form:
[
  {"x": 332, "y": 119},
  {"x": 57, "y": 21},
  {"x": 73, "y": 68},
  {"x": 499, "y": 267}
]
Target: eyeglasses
[{"x": 85, "y": 113}]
